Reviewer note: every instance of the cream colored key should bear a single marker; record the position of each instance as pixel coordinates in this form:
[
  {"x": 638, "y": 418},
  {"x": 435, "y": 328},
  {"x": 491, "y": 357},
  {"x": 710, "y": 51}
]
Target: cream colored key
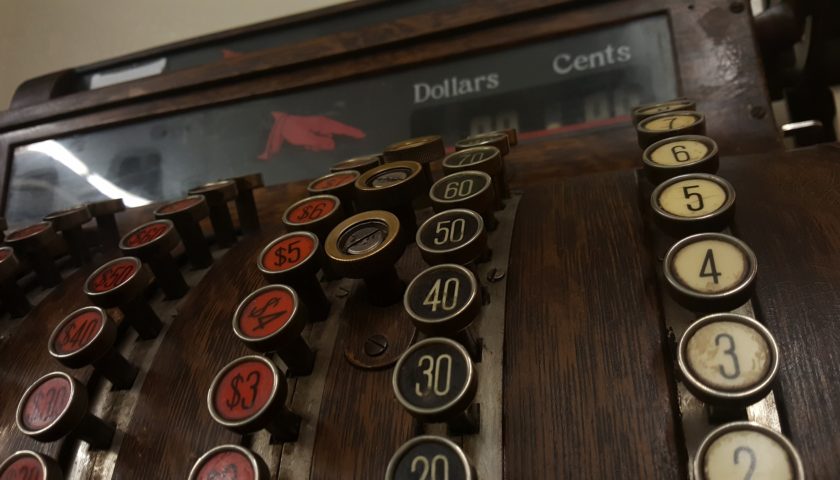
[
  {"x": 680, "y": 152},
  {"x": 712, "y": 271},
  {"x": 641, "y": 112},
  {"x": 673, "y": 156},
  {"x": 693, "y": 197},
  {"x": 670, "y": 122},
  {"x": 710, "y": 266},
  {"x": 729, "y": 355},
  {"x": 664, "y": 107},
  {"x": 743, "y": 450},
  {"x": 728, "y": 359}
]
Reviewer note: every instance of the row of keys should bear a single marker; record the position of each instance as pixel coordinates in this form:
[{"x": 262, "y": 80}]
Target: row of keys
[
  {"x": 436, "y": 380},
  {"x": 37, "y": 244},
  {"x": 337, "y": 229},
  {"x": 727, "y": 360},
  {"x": 56, "y": 405},
  {"x": 249, "y": 394}
]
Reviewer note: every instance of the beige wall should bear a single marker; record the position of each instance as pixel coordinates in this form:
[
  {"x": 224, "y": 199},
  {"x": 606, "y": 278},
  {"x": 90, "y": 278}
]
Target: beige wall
[{"x": 43, "y": 36}]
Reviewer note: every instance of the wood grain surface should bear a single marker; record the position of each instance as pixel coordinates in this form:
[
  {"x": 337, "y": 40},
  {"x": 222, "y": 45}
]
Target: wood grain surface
[
  {"x": 586, "y": 390},
  {"x": 788, "y": 211},
  {"x": 24, "y": 358}
]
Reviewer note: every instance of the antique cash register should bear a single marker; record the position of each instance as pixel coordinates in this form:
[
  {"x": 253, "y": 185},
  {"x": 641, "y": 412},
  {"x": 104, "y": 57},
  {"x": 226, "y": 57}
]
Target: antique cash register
[{"x": 421, "y": 240}]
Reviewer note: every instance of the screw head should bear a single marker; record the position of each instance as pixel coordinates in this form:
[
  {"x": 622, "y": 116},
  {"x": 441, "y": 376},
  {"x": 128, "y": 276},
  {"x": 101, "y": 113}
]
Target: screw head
[
  {"x": 376, "y": 345},
  {"x": 495, "y": 275}
]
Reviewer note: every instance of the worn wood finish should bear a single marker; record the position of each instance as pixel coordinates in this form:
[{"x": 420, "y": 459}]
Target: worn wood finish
[
  {"x": 787, "y": 212},
  {"x": 728, "y": 87},
  {"x": 361, "y": 423},
  {"x": 40, "y": 89},
  {"x": 586, "y": 390},
  {"x": 171, "y": 423},
  {"x": 359, "y": 448}
]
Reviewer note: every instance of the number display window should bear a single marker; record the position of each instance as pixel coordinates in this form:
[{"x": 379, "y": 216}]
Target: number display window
[{"x": 558, "y": 86}]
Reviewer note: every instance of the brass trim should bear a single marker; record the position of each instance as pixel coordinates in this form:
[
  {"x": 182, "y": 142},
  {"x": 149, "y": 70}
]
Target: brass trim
[
  {"x": 331, "y": 246},
  {"x": 362, "y": 185}
]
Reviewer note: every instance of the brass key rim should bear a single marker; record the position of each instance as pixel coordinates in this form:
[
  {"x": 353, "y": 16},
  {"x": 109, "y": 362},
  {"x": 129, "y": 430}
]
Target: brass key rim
[
  {"x": 413, "y": 167},
  {"x": 706, "y": 392},
  {"x": 356, "y": 162},
  {"x": 423, "y": 149},
  {"x": 723, "y": 210},
  {"x": 781, "y": 440},
  {"x": 333, "y": 249}
]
